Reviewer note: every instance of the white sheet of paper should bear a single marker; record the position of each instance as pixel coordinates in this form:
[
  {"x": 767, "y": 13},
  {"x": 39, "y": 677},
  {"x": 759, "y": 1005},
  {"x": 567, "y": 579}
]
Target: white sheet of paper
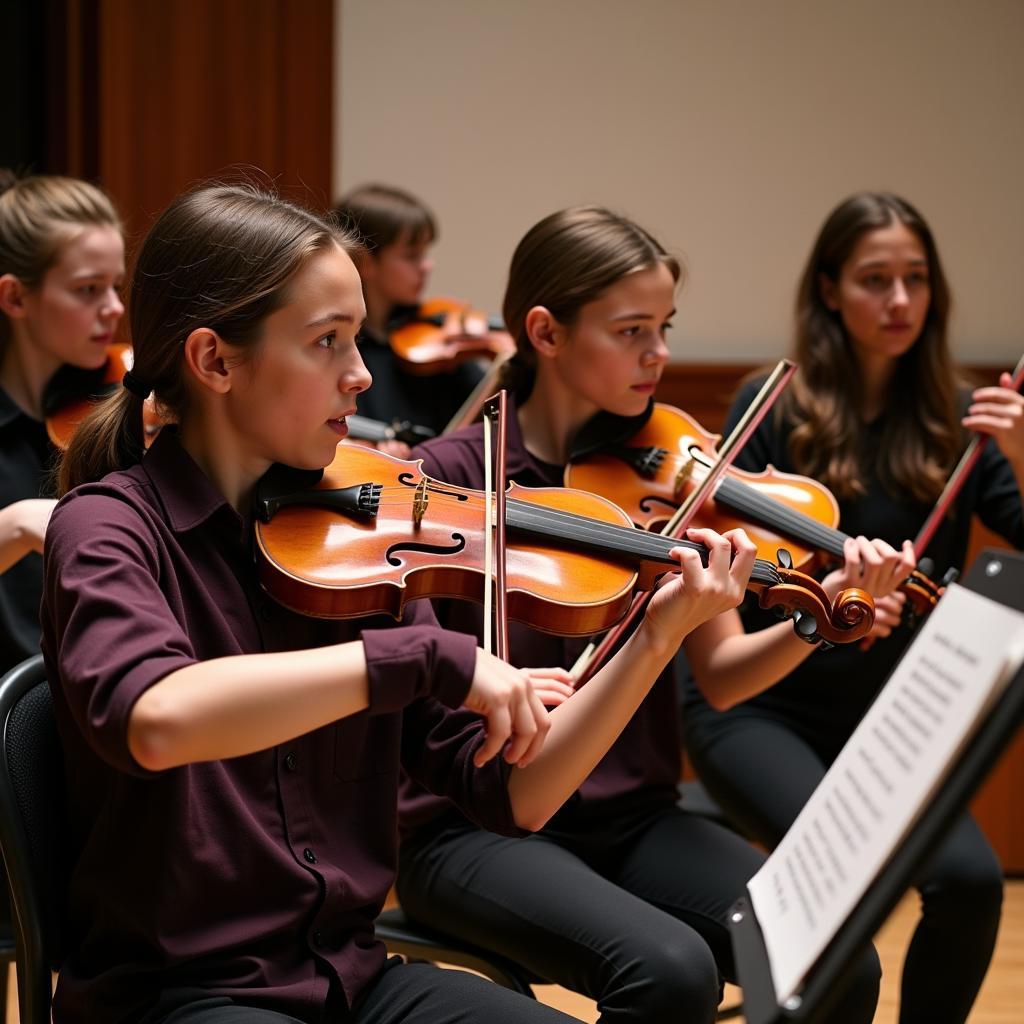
[{"x": 959, "y": 662}]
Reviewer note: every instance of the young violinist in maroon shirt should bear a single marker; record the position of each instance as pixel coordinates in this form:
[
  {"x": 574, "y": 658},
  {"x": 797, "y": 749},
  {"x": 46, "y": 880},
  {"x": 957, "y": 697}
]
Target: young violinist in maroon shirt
[
  {"x": 875, "y": 413},
  {"x": 233, "y": 766},
  {"x": 623, "y": 896}
]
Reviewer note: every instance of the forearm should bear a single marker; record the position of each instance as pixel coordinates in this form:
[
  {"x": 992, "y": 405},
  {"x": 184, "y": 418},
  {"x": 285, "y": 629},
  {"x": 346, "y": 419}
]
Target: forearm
[
  {"x": 16, "y": 540},
  {"x": 583, "y": 728},
  {"x": 228, "y": 707},
  {"x": 736, "y": 667}
]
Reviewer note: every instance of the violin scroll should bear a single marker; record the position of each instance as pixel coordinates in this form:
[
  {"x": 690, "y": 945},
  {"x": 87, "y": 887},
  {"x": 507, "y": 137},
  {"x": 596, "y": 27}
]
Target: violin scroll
[{"x": 815, "y": 617}]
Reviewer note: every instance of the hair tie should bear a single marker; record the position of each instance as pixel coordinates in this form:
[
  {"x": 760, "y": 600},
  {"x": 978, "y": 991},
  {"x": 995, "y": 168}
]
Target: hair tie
[{"x": 136, "y": 385}]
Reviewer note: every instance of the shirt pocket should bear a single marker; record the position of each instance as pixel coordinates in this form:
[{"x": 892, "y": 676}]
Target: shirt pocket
[{"x": 366, "y": 746}]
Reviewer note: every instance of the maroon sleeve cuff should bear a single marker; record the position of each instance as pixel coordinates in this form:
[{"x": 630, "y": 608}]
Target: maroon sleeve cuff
[{"x": 408, "y": 662}]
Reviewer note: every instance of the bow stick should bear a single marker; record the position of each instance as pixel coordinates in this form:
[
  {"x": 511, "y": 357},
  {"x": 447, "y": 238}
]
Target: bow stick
[
  {"x": 959, "y": 476},
  {"x": 495, "y": 595},
  {"x": 594, "y": 654}
]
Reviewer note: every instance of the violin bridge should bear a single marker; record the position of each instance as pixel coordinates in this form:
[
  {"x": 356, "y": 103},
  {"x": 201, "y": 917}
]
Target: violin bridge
[
  {"x": 684, "y": 474},
  {"x": 419, "y": 501}
]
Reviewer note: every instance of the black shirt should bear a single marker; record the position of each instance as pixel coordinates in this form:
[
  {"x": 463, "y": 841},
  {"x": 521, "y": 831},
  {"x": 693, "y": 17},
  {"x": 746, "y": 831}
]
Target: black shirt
[
  {"x": 831, "y": 690},
  {"x": 26, "y": 461}
]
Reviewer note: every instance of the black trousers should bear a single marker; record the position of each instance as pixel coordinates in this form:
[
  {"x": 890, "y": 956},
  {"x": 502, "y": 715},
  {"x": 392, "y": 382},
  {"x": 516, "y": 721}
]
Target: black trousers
[
  {"x": 629, "y": 908},
  {"x": 762, "y": 770},
  {"x": 402, "y": 994}
]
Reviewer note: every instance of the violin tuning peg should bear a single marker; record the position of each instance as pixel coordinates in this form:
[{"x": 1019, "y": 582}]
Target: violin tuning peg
[
  {"x": 952, "y": 575},
  {"x": 805, "y": 626},
  {"x": 784, "y": 558},
  {"x": 926, "y": 567}
]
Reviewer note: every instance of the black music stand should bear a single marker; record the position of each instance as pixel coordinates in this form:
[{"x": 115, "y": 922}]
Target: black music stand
[{"x": 998, "y": 575}]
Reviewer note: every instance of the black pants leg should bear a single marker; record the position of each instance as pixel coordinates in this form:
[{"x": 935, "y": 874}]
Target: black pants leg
[
  {"x": 762, "y": 772},
  {"x": 547, "y": 908},
  {"x": 402, "y": 994}
]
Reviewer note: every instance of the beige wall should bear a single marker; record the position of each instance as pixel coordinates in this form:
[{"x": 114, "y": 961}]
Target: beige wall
[{"x": 727, "y": 127}]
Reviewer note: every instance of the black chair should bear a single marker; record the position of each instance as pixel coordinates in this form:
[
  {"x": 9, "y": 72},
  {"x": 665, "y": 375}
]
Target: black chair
[
  {"x": 417, "y": 942},
  {"x": 32, "y": 808}
]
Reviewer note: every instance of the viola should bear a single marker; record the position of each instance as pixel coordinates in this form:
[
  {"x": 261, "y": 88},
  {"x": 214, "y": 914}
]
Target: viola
[
  {"x": 445, "y": 332},
  {"x": 371, "y": 532},
  {"x": 650, "y": 475},
  {"x": 63, "y": 421}
]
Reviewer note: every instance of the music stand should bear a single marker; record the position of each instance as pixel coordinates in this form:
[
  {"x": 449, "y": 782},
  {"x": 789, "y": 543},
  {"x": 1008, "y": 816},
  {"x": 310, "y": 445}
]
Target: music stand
[{"x": 998, "y": 575}]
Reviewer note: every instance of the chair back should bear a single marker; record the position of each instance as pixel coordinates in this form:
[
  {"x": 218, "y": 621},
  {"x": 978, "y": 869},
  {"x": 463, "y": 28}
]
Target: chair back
[{"x": 33, "y": 813}]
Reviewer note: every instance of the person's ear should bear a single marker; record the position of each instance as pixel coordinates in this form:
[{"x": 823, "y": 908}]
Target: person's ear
[
  {"x": 208, "y": 360},
  {"x": 829, "y": 291},
  {"x": 12, "y": 297},
  {"x": 546, "y": 334}
]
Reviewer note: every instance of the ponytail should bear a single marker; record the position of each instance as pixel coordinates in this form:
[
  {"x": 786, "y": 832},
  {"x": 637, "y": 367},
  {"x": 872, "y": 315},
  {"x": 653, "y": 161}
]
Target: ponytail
[{"x": 110, "y": 437}]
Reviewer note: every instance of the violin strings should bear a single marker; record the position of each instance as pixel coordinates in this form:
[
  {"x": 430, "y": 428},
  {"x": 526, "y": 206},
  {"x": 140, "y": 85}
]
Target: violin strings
[
  {"x": 575, "y": 528},
  {"x": 744, "y": 498}
]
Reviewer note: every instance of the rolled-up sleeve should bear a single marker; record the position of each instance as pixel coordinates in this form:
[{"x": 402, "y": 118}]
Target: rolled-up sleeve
[{"x": 117, "y": 634}]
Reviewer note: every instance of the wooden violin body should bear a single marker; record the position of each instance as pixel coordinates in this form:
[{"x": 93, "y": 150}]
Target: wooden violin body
[
  {"x": 652, "y": 474},
  {"x": 446, "y": 332},
  {"x": 372, "y": 532},
  {"x": 62, "y": 423}
]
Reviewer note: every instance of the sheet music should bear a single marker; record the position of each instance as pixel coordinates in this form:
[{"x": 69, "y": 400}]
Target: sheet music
[{"x": 958, "y": 664}]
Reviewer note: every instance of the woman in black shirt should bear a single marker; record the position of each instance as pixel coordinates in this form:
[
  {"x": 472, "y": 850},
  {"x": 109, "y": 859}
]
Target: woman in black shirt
[{"x": 876, "y": 414}]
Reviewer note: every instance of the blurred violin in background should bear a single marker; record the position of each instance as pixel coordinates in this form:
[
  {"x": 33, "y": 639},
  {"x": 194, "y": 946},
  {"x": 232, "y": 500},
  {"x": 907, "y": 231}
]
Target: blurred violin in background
[
  {"x": 68, "y": 412},
  {"x": 441, "y": 333},
  {"x": 363, "y": 428},
  {"x": 651, "y": 473}
]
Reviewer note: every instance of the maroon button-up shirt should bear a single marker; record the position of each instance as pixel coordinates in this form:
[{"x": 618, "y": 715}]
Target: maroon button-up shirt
[
  {"x": 256, "y": 877},
  {"x": 647, "y": 756}
]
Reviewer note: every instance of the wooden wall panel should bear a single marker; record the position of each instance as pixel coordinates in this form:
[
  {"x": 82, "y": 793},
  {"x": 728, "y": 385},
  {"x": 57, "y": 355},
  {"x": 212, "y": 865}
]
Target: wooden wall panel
[{"x": 189, "y": 89}]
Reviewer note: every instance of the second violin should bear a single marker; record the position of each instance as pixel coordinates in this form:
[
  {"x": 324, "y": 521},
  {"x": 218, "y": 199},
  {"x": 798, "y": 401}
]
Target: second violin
[{"x": 651, "y": 474}]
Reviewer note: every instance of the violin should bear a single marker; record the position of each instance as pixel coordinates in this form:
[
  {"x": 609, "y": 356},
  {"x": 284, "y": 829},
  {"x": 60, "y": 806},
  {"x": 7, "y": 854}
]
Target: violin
[
  {"x": 785, "y": 515},
  {"x": 445, "y": 332},
  {"x": 371, "y": 532},
  {"x": 63, "y": 421},
  {"x": 362, "y": 428}
]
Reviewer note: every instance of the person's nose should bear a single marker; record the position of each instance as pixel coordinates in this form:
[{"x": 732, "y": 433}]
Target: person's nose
[
  {"x": 112, "y": 306},
  {"x": 356, "y": 377},
  {"x": 658, "y": 353},
  {"x": 899, "y": 297}
]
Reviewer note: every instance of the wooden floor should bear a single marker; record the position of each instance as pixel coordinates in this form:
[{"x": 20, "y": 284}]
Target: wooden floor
[
  {"x": 1002, "y": 996},
  {"x": 1001, "y": 1000}
]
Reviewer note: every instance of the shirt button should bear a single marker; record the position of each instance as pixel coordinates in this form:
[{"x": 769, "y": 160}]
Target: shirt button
[
  {"x": 291, "y": 762},
  {"x": 318, "y": 939},
  {"x": 309, "y": 855}
]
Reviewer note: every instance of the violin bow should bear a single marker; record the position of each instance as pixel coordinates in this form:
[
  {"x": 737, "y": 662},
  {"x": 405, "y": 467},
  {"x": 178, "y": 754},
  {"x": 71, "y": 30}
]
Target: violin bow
[
  {"x": 470, "y": 408},
  {"x": 495, "y": 595},
  {"x": 594, "y": 654},
  {"x": 959, "y": 476}
]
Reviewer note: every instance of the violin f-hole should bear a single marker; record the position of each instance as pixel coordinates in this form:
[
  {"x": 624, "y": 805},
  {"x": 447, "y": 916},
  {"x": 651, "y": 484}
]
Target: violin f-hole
[{"x": 458, "y": 545}]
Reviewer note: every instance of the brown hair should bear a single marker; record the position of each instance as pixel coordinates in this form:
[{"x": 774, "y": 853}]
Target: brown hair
[
  {"x": 923, "y": 435},
  {"x": 378, "y": 215},
  {"x": 39, "y": 215},
  {"x": 563, "y": 262},
  {"x": 220, "y": 257}
]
